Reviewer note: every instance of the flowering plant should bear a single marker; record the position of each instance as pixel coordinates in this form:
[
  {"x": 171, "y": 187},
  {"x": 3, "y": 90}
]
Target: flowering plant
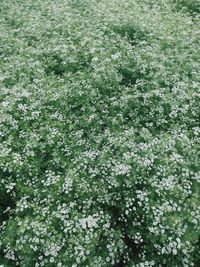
[{"x": 99, "y": 152}]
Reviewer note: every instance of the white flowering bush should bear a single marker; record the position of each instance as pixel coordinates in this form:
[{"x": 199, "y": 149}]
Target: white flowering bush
[{"x": 99, "y": 152}]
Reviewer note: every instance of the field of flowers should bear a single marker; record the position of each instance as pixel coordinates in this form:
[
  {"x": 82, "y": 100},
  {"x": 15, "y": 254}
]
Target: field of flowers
[{"x": 99, "y": 133}]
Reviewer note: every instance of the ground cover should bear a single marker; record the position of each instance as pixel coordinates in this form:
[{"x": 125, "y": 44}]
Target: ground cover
[{"x": 99, "y": 152}]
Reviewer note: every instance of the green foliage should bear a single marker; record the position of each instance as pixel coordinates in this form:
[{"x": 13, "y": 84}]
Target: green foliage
[
  {"x": 192, "y": 6},
  {"x": 99, "y": 151}
]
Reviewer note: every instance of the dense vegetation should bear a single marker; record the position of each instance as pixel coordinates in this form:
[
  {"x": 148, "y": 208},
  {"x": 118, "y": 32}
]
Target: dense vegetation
[{"x": 99, "y": 153}]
